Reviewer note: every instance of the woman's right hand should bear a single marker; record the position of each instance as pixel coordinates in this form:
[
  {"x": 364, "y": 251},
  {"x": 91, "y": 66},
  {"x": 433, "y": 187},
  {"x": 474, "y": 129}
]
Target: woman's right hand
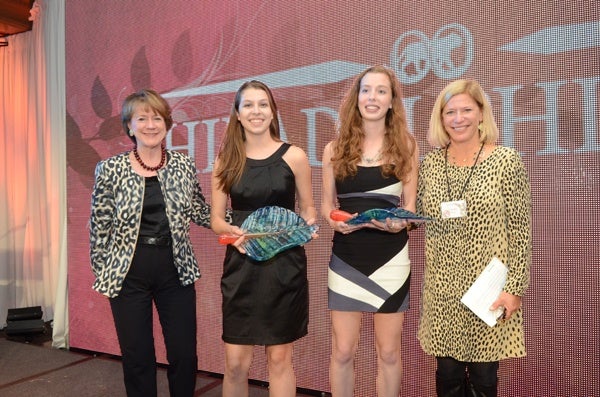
[
  {"x": 344, "y": 228},
  {"x": 236, "y": 231}
]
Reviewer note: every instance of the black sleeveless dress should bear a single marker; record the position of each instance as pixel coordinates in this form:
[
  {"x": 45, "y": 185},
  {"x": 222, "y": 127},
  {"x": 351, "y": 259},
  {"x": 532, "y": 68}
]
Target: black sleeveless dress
[{"x": 264, "y": 302}]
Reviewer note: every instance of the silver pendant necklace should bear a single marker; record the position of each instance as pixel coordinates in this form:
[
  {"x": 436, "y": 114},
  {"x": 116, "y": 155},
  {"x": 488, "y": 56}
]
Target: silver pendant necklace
[{"x": 371, "y": 160}]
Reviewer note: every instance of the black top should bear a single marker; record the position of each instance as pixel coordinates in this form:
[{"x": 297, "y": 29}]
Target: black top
[
  {"x": 266, "y": 182},
  {"x": 154, "y": 220}
]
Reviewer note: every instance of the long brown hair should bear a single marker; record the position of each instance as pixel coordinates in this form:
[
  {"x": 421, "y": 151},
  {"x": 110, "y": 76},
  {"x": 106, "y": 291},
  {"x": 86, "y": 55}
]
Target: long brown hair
[
  {"x": 232, "y": 153},
  {"x": 399, "y": 144}
]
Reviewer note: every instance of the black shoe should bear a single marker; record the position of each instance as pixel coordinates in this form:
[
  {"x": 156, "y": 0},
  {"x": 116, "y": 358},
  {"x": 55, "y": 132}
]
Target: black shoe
[{"x": 449, "y": 388}]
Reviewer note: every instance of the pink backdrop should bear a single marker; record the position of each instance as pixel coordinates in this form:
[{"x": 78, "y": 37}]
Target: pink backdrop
[{"x": 540, "y": 66}]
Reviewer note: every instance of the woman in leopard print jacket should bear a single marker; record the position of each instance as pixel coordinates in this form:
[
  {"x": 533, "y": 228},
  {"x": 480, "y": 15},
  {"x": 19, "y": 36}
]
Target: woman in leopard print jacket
[{"x": 142, "y": 205}]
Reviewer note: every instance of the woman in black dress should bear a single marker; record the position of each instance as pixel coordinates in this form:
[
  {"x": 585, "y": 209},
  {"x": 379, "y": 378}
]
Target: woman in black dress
[
  {"x": 372, "y": 163},
  {"x": 266, "y": 302}
]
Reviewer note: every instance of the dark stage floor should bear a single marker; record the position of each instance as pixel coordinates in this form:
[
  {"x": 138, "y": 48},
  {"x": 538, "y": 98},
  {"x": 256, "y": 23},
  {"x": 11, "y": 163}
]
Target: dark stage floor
[{"x": 30, "y": 367}]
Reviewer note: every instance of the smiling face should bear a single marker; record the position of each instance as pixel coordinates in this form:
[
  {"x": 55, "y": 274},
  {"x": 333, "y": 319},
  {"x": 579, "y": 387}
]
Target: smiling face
[
  {"x": 461, "y": 117},
  {"x": 149, "y": 127},
  {"x": 254, "y": 112},
  {"x": 374, "y": 96}
]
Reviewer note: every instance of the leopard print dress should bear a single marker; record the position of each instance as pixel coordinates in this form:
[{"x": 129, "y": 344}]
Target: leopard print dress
[{"x": 457, "y": 250}]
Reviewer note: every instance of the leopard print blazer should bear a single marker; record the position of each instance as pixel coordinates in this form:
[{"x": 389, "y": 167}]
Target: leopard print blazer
[{"x": 116, "y": 212}]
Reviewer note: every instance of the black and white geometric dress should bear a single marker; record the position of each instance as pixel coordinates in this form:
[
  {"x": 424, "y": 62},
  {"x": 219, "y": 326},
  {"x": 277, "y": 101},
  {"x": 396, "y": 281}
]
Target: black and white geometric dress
[{"x": 369, "y": 270}]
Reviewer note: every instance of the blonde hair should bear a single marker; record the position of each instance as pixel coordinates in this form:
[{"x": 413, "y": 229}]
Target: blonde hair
[
  {"x": 488, "y": 130},
  {"x": 399, "y": 144}
]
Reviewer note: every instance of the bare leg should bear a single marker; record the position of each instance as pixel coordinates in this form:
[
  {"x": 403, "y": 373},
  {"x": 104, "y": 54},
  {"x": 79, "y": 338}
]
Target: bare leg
[
  {"x": 282, "y": 380},
  {"x": 345, "y": 334},
  {"x": 388, "y": 341},
  {"x": 237, "y": 364}
]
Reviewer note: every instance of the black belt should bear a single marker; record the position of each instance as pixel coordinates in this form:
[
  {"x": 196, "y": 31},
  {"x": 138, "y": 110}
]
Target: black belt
[{"x": 162, "y": 240}]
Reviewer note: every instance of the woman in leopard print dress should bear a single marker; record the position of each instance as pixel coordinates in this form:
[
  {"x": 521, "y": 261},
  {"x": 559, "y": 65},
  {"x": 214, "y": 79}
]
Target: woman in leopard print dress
[{"x": 478, "y": 194}]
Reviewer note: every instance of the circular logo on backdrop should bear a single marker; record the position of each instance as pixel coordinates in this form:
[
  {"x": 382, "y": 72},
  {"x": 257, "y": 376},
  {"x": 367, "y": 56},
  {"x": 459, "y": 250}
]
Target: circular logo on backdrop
[{"x": 448, "y": 54}]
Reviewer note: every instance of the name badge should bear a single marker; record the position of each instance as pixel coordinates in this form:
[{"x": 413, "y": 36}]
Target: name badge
[{"x": 454, "y": 209}]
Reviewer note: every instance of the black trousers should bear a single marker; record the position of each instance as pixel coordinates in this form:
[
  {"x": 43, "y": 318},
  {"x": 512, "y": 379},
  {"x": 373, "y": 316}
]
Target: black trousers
[
  {"x": 459, "y": 378},
  {"x": 152, "y": 277}
]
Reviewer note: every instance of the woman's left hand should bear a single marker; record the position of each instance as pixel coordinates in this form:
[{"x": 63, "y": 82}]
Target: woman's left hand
[
  {"x": 311, "y": 222},
  {"x": 390, "y": 225},
  {"x": 511, "y": 304}
]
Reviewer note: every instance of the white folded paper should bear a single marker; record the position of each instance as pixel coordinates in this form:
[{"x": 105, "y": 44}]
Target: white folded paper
[{"x": 485, "y": 290}]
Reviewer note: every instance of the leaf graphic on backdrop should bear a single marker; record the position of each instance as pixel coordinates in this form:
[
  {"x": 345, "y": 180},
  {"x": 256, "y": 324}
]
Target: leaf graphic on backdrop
[
  {"x": 140, "y": 71},
  {"x": 101, "y": 102},
  {"x": 111, "y": 128},
  {"x": 181, "y": 57},
  {"x": 73, "y": 130},
  {"x": 84, "y": 157},
  {"x": 84, "y": 162}
]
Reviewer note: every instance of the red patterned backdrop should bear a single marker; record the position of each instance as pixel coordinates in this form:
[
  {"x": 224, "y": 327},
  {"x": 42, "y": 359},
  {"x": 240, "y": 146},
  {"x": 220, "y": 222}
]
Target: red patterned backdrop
[{"x": 538, "y": 61}]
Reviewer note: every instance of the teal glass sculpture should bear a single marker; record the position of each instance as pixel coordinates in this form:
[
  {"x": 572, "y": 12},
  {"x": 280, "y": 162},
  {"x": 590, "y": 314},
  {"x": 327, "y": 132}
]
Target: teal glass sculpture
[
  {"x": 378, "y": 214},
  {"x": 271, "y": 230}
]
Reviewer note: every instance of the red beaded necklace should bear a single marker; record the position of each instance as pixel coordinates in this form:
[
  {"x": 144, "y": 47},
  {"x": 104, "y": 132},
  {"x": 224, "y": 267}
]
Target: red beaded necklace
[{"x": 146, "y": 167}]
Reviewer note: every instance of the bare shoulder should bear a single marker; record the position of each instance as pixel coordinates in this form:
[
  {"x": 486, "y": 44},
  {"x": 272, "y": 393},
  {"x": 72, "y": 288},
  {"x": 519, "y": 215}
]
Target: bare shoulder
[
  {"x": 328, "y": 150},
  {"x": 329, "y": 146},
  {"x": 328, "y": 153},
  {"x": 296, "y": 154}
]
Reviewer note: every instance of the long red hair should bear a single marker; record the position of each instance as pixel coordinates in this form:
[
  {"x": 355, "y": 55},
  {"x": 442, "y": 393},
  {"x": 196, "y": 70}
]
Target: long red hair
[{"x": 399, "y": 144}]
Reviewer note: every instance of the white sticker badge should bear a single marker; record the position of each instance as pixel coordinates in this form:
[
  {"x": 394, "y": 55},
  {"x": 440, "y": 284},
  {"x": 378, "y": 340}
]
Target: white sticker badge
[{"x": 454, "y": 209}]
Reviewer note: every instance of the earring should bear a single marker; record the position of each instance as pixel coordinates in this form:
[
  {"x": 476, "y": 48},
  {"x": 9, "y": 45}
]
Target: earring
[
  {"x": 480, "y": 127},
  {"x": 130, "y": 132}
]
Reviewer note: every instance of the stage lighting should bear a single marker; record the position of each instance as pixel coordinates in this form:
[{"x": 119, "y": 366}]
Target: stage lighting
[{"x": 26, "y": 320}]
